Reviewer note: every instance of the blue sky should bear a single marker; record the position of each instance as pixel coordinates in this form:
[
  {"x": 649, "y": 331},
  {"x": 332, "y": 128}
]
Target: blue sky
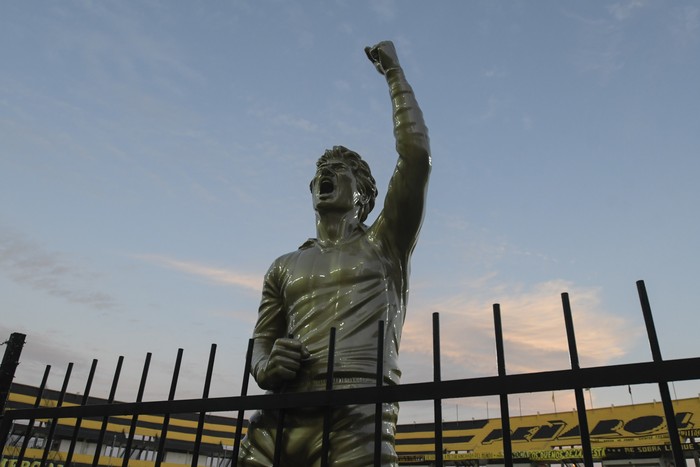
[{"x": 156, "y": 157}]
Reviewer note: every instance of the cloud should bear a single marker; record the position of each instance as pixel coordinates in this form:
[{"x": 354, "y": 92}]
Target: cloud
[
  {"x": 29, "y": 264},
  {"x": 533, "y": 331},
  {"x": 291, "y": 121},
  {"x": 623, "y": 10},
  {"x": 601, "y": 43},
  {"x": 685, "y": 27},
  {"x": 493, "y": 73},
  {"x": 295, "y": 122},
  {"x": 41, "y": 349},
  {"x": 602, "y": 56},
  {"x": 212, "y": 274},
  {"x": 494, "y": 108},
  {"x": 126, "y": 48}
]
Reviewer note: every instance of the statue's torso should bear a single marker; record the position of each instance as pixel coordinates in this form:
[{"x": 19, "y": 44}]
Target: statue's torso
[{"x": 351, "y": 287}]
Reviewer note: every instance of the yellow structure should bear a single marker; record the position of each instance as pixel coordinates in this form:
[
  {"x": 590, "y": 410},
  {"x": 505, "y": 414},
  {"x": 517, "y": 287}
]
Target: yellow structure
[{"x": 632, "y": 431}]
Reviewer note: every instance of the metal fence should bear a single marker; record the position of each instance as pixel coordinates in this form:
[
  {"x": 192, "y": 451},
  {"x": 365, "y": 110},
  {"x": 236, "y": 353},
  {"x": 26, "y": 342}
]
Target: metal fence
[{"x": 575, "y": 378}]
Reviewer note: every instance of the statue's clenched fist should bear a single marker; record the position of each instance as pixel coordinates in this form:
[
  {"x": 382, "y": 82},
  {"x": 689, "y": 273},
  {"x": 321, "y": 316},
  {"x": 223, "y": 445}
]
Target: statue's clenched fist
[
  {"x": 283, "y": 364},
  {"x": 383, "y": 55}
]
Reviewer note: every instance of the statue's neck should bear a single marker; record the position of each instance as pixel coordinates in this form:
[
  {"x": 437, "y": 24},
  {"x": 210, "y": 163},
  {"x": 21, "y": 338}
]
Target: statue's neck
[{"x": 334, "y": 228}]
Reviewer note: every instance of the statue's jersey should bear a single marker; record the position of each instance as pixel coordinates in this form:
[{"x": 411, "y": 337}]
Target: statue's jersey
[{"x": 351, "y": 286}]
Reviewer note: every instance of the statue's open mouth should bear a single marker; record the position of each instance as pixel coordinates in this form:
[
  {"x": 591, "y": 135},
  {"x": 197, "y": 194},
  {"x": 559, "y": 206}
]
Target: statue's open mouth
[{"x": 326, "y": 187}]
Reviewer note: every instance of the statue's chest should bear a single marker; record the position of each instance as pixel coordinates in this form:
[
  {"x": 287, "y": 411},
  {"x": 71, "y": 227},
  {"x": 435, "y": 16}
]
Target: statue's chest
[{"x": 319, "y": 272}]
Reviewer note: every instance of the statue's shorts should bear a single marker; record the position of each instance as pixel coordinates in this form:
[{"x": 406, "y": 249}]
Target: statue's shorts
[{"x": 351, "y": 437}]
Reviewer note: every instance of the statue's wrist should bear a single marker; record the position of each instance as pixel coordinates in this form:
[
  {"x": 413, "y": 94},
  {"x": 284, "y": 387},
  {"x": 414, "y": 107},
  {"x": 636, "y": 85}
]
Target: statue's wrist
[
  {"x": 266, "y": 379},
  {"x": 393, "y": 73},
  {"x": 259, "y": 371}
]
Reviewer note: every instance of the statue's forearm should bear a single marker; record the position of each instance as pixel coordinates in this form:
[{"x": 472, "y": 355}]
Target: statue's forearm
[
  {"x": 409, "y": 128},
  {"x": 261, "y": 351}
]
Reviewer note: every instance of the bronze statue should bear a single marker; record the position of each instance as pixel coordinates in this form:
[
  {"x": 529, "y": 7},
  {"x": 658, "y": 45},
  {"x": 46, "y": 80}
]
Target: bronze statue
[{"x": 350, "y": 277}]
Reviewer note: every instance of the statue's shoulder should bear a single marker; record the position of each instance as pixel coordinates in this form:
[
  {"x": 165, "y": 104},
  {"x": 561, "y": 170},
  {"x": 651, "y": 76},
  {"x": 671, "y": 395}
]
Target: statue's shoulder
[
  {"x": 285, "y": 259},
  {"x": 309, "y": 243}
]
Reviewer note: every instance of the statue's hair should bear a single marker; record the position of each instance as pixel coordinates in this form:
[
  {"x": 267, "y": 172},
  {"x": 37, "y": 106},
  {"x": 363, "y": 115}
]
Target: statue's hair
[{"x": 366, "y": 184}]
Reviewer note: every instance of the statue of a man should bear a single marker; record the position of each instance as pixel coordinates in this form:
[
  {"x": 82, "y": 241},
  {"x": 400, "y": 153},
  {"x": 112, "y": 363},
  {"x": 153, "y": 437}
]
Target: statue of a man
[{"x": 350, "y": 277}]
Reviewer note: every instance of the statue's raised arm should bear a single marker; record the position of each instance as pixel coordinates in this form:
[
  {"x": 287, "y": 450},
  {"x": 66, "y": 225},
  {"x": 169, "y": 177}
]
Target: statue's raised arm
[{"x": 404, "y": 204}]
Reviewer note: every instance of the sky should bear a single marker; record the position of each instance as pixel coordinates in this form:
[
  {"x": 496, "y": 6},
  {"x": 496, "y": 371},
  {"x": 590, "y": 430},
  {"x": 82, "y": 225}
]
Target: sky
[{"x": 156, "y": 156}]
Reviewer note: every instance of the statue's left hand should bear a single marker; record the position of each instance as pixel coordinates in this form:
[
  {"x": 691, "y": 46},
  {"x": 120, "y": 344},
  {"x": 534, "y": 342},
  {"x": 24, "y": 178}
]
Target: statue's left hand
[
  {"x": 384, "y": 56},
  {"x": 283, "y": 363}
]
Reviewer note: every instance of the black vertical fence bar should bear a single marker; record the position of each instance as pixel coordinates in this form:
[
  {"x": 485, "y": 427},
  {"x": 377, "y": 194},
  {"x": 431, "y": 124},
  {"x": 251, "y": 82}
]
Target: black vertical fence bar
[
  {"x": 328, "y": 411},
  {"x": 378, "y": 408},
  {"x": 578, "y": 392},
  {"x": 166, "y": 418},
  {"x": 279, "y": 441},
  {"x": 202, "y": 414},
  {"x": 505, "y": 412},
  {"x": 663, "y": 385},
  {"x": 5, "y": 427},
  {"x": 54, "y": 422},
  {"x": 241, "y": 413},
  {"x": 135, "y": 417},
  {"x": 10, "y": 360},
  {"x": 105, "y": 420},
  {"x": 30, "y": 424},
  {"x": 437, "y": 377},
  {"x": 79, "y": 420},
  {"x": 279, "y": 433}
]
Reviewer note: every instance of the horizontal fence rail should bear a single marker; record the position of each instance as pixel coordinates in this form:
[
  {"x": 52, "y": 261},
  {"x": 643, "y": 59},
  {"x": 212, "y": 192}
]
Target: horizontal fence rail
[
  {"x": 683, "y": 369},
  {"x": 657, "y": 371}
]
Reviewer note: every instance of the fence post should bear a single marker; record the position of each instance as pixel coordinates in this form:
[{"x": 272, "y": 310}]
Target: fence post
[
  {"x": 503, "y": 397},
  {"x": 578, "y": 392},
  {"x": 9, "y": 365},
  {"x": 676, "y": 448},
  {"x": 437, "y": 403}
]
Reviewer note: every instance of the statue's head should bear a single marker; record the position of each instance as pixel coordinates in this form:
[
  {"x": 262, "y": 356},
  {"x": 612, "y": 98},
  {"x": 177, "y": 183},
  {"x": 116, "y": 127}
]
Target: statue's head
[{"x": 366, "y": 186}]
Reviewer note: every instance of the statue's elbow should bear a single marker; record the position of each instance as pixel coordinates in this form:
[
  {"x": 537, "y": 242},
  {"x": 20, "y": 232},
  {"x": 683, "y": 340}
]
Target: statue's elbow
[{"x": 417, "y": 154}]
